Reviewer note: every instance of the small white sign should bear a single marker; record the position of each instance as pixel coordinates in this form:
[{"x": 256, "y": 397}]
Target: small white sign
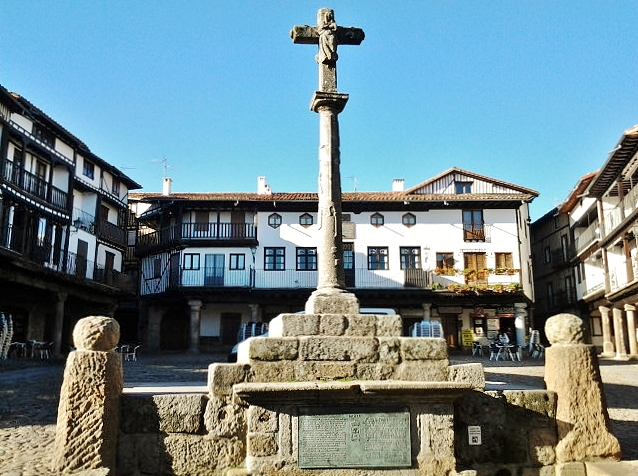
[{"x": 474, "y": 434}]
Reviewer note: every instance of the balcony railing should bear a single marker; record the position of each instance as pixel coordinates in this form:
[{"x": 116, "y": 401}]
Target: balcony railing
[
  {"x": 34, "y": 185},
  {"x": 622, "y": 210},
  {"x": 197, "y": 232},
  {"x": 110, "y": 232},
  {"x": 45, "y": 255},
  {"x": 361, "y": 278},
  {"x": 587, "y": 236},
  {"x": 477, "y": 233}
]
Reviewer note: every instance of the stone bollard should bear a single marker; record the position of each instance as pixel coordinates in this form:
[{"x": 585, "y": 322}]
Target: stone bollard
[
  {"x": 88, "y": 414},
  {"x": 571, "y": 370}
]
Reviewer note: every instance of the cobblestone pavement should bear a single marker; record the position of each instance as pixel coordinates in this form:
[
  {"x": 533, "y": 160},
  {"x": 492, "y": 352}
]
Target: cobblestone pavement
[{"x": 29, "y": 393}]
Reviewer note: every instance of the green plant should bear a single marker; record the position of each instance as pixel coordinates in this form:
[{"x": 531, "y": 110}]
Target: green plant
[{"x": 445, "y": 271}]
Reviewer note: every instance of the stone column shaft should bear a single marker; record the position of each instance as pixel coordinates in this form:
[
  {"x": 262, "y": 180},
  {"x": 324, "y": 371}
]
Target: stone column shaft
[
  {"x": 619, "y": 334},
  {"x": 631, "y": 327},
  {"x": 427, "y": 311},
  {"x": 519, "y": 322},
  {"x": 330, "y": 259},
  {"x": 196, "y": 307},
  {"x": 608, "y": 345},
  {"x": 331, "y": 295},
  {"x": 59, "y": 324}
]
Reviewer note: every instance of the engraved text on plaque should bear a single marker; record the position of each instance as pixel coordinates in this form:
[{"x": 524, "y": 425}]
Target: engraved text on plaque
[{"x": 354, "y": 440}]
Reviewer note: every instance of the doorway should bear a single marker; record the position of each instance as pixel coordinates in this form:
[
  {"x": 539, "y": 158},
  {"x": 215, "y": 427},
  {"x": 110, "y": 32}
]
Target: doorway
[
  {"x": 230, "y": 322},
  {"x": 348, "y": 264},
  {"x": 213, "y": 270}
]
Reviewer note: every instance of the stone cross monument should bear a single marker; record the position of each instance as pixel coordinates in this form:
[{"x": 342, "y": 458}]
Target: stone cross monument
[{"x": 331, "y": 295}]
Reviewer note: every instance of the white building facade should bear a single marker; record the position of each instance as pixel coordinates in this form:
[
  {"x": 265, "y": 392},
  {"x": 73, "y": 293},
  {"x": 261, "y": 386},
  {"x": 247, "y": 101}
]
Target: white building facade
[{"x": 455, "y": 248}]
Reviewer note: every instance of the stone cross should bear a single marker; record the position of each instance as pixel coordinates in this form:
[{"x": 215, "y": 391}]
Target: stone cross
[
  {"x": 330, "y": 295},
  {"x": 328, "y": 36}
]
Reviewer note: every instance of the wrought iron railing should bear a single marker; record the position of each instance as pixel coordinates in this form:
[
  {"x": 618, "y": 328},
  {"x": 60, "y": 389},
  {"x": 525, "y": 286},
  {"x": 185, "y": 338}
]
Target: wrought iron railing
[
  {"x": 196, "y": 231},
  {"x": 361, "y": 278},
  {"x": 35, "y": 185}
]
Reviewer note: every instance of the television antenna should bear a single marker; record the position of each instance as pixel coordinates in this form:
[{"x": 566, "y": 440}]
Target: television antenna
[
  {"x": 355, "y": 182},
  {"x": 165, "y": 166}
]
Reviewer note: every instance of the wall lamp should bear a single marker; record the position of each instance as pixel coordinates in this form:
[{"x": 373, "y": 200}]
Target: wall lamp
[{"x": 76, "y": 225}]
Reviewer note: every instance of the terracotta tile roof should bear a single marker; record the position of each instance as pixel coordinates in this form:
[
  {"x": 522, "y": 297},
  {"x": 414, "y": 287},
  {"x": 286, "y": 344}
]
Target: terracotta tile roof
[
  {"x": 25, "y": 107},
  {"x": 576, "y": 192},
  {"x": 312, "y": 197}
]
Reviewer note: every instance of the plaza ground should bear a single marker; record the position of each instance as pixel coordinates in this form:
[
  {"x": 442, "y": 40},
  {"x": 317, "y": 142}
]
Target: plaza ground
[{"x": 29, "y": 392}]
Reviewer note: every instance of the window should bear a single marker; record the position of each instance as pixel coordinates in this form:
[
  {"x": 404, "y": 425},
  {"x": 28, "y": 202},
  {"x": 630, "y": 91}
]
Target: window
[
  {"x": 548, "y": 254},
  {"x": 463, "y": 187},
  {"x": 596, "y": 325},
  {"x": 274, "y": 220},
  {"x": 104, "y": 213},
  {"x": 115, "y": 187},
  {"x": 503, "y": 263},
  {"x": 445, "y": 264},
  {"x": 474, "y": 263},
  {"x": 237, "y": 261},
  {"x": 550, "y": 295},
  {"x": 274, "y": 259},
  {"x": 376, "y": 219},
  {"x": 569, "y": 290},
  {"x": 473, "y": 225},
  {"x": 201, "y": 222},
  {"x": 378, "y": 257},
  {"x": 41, "y": 169},
  {"x": 191, "y": 261},
  {"x": 157, "y": 268},
  {"x": 44, "y": 135},
  {"x": 564, "y": 248},
  {"x": 88, "y": 169},
  {"x": 408, "y": 219},
  {"x": 306, "y": 259},
  {"x": 306, "y": 220},
  {"x": 410, "y": 257}
]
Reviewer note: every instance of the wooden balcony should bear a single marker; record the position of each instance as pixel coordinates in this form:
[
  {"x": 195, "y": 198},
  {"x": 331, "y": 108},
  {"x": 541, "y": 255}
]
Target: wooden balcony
[
  {"x": 200, "y": 234},
  {"x": 35, "y": 186}
]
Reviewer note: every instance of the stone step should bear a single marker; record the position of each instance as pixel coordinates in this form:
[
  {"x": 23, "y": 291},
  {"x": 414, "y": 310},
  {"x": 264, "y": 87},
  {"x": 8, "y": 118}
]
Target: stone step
[{"x": 619, "y": 468}]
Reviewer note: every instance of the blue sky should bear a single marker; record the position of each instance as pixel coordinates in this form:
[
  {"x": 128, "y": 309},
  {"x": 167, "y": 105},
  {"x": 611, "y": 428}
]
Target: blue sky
[{"x": 531, "y": 92}]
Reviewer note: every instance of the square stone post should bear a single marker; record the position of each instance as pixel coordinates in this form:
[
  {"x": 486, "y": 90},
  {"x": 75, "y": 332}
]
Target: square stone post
[{"x": 88, "y": 413}]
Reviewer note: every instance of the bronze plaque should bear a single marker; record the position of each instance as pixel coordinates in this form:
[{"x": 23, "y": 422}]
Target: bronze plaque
[{"x": 353, "y": 440}]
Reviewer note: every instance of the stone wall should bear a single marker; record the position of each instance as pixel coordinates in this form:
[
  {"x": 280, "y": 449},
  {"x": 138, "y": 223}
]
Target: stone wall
[{"x": 191, "y": 434}]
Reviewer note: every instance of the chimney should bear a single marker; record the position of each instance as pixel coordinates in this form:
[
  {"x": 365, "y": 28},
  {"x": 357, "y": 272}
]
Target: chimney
[
  {"x": 262, "y": 187},
  {"x": 166, "y": 186},
  {"x": 397, "y": 185}
]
